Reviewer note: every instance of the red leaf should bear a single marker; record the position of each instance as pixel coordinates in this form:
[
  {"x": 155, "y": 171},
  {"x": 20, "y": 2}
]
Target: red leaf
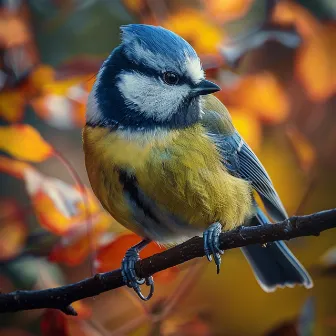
[
  {"x": 13, "y": 229},
  {"x": 54, "y": 323},
  {"x": 109, "y": 256}
]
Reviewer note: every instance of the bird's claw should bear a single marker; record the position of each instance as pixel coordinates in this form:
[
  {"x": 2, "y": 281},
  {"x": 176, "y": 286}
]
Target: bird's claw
[
  {"x": 129, "y": 276},
  {"x": 211, "y": 243}
]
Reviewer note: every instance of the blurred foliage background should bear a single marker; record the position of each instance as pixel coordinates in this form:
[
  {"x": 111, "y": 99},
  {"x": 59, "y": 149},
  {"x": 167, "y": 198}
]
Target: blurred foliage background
[{"x": 275, "y": 62}]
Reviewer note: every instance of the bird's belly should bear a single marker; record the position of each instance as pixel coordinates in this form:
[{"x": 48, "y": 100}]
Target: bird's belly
[
  {"x": 167, "y": 190},
  {"x": 154, "y": 221}
]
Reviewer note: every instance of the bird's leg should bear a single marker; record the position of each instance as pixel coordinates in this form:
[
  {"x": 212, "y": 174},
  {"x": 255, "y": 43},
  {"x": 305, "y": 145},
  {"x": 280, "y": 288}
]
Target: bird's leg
[
  {"x": 128, "y": 270},
  {"x": 211, "y": 243}
]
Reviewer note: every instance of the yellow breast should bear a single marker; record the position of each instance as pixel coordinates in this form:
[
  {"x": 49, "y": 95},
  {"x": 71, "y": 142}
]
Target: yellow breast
[{"x": 179, "y": 170}]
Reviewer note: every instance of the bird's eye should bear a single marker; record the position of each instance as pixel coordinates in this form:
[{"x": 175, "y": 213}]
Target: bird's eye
[{"x": 170, "y": 78}]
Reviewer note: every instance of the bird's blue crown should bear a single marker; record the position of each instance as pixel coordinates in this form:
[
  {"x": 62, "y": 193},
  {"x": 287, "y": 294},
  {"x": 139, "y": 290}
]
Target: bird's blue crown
[{"x": 156, "y": 41}]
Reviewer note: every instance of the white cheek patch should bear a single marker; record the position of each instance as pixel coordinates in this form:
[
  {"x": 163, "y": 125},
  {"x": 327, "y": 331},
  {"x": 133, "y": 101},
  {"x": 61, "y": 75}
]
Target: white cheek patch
[
  {"x": 194, "y": 69},
  {"x": 150, "y": 96}
]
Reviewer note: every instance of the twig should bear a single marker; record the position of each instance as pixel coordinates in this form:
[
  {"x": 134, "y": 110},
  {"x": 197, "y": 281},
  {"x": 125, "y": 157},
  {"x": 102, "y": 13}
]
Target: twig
[{"x": 62, "y": 297}]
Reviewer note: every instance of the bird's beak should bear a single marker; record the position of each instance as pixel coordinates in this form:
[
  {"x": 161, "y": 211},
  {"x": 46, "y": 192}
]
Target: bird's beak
[{"x": 205, "y": 87}]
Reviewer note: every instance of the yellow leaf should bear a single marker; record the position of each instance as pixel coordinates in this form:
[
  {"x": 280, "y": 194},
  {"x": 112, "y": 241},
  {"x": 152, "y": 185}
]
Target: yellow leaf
[
  {"x": 12, "y": 105},
  {"x": 42, "y": 76},
  {"x": 13, "y": 167},
  {"x": 248, "y": 126},
  {"x": 24, "y": 143},
  {"x": 226, "y": 10},
  {"x": 188, "y": 23}
]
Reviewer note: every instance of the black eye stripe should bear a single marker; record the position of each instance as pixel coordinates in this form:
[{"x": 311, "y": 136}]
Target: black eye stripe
[{"x": 170, "y": 78}]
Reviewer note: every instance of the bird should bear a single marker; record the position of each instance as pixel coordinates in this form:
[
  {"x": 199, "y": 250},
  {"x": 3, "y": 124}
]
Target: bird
[{"x": 165, "y": 160}]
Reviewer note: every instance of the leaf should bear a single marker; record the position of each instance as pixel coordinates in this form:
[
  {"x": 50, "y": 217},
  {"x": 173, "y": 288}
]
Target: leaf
[
  {"x": 41, "y": 76},
  {"x": 12, "y": 104},
  {"x": 110, "y": 255},
  {"x": 261, "y": 94},
  {"x": 54, "y": 323},
  {"x": 315, "y": 64},
  {"x": 75, "y": 246},
  {"x": 62, "y": 103},
  {"x": 25, "y": 143},
  {"x": 304, "y": 150},
  {"x": 188, "y": 23},
  {"x": 248, "y": 126},
  {"x": 226, "y": 10},
  {"x": 63, "y": 196},
  {"x": 13, "y": 229},
  {"x": 13, "y": 167}
]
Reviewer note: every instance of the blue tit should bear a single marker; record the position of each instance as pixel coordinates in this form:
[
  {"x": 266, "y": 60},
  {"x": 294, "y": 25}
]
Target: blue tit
[{"x": 165, "y": 160}]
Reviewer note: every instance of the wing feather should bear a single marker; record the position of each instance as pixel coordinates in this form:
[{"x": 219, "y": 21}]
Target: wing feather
[{"x": 241, "y": 161}]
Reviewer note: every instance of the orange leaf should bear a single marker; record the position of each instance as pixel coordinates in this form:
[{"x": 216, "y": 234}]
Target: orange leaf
[
  {"x": 261, "y": 94},
  {"x": 109, "y": 256},
  {"x": 226, "y": 10},
  {"x": 24, "y": 143},
  {"x": 13, "y": 167},
  {"x": 76, "y": 246},
  {"x": 315, "y": 63},
  {"x": 13, "y": 230},
  {"x": 302, "y": 147},
  {"x": 188, "y": 23},
  {"x": 63, "y": 104},
  {"x": 51, "y": 216},
  {"x": 42, "y": 76},
  {"x": 12, "y": 105}
]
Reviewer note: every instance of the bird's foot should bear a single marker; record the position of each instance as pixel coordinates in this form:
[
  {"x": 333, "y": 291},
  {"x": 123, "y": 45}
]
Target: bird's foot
[
  {"x": 211, "y": 243},
  {"x": 128, "y": 271}
]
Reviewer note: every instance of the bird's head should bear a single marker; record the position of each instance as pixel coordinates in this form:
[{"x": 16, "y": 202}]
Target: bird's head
[{"x": 153, "y": 79}]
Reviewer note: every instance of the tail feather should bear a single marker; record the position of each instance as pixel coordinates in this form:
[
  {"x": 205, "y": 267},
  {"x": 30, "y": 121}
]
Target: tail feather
[{"x": 275, "y": 265}]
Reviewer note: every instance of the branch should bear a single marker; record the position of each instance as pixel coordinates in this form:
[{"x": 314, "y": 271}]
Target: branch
[{"x": 62, "y": 297}]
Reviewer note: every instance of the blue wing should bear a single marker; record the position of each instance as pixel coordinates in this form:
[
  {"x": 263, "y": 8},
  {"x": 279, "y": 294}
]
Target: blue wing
[{"x": 240, "y": 160}]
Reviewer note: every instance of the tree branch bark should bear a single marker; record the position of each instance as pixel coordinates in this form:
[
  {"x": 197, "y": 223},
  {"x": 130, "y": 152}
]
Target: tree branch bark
[{"x": 62, "y": 297}]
